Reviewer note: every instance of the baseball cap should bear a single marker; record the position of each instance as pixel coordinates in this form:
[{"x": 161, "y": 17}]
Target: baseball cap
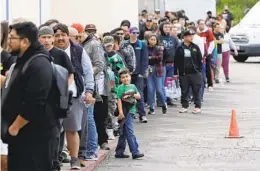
[
  {"x": 149, "y": 19},
  {"x": 78, "y": 27},
  {"x": 108, "y": 40},
  {"x": 45, "y": 30},
  {"x": 133, "y": 29},
  {"x": 90, "y": 27}
]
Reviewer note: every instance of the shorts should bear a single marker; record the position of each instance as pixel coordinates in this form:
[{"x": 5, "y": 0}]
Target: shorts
[{"x": 73, "y": 121}]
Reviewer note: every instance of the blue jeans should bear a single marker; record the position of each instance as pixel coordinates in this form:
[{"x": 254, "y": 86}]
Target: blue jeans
[
  {"x": 202, "y": 89},
  {"x": 139, "y": 83},
  {"x": 158, "y": 100},
  {"x": 128, "y": 135},
  {"x": 92, "y": 146},
  {"x": 155, "y": 83}
]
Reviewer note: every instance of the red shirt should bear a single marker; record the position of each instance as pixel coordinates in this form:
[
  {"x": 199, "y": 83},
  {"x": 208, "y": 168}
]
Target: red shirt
[{"x": 208, "y": 37}]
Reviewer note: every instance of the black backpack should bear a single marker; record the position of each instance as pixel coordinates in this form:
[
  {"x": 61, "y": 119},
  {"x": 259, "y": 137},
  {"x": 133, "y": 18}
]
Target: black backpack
[{"x": 60, "y": 97}]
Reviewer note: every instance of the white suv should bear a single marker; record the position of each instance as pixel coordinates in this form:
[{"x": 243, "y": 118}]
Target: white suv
[{"x": 246, "y": 35}]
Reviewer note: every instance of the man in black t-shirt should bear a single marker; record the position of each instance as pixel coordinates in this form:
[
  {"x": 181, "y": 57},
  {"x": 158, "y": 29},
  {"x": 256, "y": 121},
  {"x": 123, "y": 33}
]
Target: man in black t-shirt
[
  {"x": 220, "y": 40},
  {"x": 46, "y": 37},
  {"x": 60, "y": 57}
]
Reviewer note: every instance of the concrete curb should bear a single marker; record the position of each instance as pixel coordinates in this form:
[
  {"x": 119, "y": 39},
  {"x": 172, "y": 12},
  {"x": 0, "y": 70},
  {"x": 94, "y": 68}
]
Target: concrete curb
[{"x": 102, "y": 155}]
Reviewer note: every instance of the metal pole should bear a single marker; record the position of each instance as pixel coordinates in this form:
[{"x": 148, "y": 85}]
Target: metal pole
[
  {"x": 7, "y": 9},
  {"x": 40, "y": 12}
]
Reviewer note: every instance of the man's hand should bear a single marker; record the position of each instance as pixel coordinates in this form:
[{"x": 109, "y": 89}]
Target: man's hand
[
  {"x": 121, "y": 116},
  {"x": 13, "y": 130},
  {"x": 4, "y": 162},
  {"x": 89, "y": 99},
  {"x": 126, "y": 96},
  {"x": 221, "y": 41},
  {"x": 236, "y": 52},
  {"x": 175, "y": 77}
]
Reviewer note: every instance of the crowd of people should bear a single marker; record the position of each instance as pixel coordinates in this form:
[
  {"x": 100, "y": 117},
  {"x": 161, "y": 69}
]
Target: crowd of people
[{"x": 112, "y": 78}]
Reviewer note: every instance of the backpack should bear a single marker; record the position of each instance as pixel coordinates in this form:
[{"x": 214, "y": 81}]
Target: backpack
[{"x": 60, "y": 97}]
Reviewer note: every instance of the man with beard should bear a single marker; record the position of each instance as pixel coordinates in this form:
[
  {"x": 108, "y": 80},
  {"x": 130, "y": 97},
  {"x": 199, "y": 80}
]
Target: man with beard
[
  {"x": 27, "y": 119},
  {"x": 83, "y": 83}
]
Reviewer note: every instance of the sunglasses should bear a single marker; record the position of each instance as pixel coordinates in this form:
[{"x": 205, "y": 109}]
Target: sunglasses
[{"x": 135, "y": 33}]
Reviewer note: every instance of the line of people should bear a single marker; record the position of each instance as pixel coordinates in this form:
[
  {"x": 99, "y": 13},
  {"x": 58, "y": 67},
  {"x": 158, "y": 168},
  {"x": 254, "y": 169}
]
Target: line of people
[{"x": 112, "y": 77}]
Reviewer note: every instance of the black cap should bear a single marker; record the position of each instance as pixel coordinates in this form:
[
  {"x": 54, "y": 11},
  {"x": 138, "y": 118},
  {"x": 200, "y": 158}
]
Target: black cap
[{"x": 188, "y": 33}]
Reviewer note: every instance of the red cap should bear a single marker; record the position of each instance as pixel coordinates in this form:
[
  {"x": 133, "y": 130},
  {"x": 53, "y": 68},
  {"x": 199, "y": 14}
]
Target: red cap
[{"x": 78, "y": 27}]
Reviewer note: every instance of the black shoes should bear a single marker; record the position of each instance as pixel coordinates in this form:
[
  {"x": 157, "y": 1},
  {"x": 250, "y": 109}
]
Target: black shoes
[{"x": 138, "y": 156}]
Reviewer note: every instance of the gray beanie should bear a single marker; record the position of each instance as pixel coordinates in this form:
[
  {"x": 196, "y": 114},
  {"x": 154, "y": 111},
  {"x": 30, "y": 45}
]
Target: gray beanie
[{"x": 45, "y": 30}]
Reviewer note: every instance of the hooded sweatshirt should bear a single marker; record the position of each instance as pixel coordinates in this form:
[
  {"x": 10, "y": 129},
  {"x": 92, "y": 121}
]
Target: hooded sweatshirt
[{"x": 170, "y": 45}]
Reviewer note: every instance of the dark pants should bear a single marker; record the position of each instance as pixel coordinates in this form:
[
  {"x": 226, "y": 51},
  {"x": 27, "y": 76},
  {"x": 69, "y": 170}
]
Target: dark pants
[
  {"x": 145, "y": 91},
  {"x": 139, "y": 83},
  {"x": 208, "y": 72},
  {"x": 56, "y": 145},
  {"x": 193, "y": 81},
  {"x": 30, "y": 156},
  {"x": 100, "y": 116},
  {"x": 127, "y": 135}
]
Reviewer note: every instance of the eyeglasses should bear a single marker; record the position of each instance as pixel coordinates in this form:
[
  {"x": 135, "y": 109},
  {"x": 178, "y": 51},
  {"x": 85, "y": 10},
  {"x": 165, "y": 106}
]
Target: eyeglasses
[{"x": 14, "y": 38}]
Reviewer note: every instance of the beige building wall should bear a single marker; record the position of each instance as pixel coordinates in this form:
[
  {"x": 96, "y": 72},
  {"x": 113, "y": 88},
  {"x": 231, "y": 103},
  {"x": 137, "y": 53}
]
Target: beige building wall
[
  {"x": 105, "y": 14},
  {"x": 28, "y": 9}
]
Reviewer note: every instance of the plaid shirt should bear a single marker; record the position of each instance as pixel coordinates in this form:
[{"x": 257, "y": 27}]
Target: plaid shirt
[{"x": 156, "y": 58}]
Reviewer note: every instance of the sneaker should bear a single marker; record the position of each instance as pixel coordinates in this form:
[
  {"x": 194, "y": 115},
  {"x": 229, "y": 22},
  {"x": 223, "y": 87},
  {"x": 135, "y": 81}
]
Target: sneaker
[
  {"x": 211, "y": 88},
  {"x": 151, "y": 112},
  {"x": 227, "y": 80},
  {"x": 138, "y": 156},
  {"x": 122, "y": 156},
  {"x": 64, "y": 157},
  {"x": 143, "y": 119},
  {"x": 217, "y": 81},
  {"x": 110, "y": 134},
  {"x": 75, "y": 163},
  {"x": 93, "y": 157},
  {"x": 164, "y": 109},
  {"x": 196, "y": 111},
  {"x": 183, "y": 110},
  {"x": 104, "y": 146}
]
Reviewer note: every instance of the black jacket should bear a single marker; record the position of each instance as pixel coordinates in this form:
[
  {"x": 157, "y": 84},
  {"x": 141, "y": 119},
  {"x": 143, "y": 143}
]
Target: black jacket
[
  {"x": 27, "y": 95},
  {"x": 196, "y": 57}
]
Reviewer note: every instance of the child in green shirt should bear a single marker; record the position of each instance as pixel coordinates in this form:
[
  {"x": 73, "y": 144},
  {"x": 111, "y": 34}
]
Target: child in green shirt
[{"x": 127, "y": 94}]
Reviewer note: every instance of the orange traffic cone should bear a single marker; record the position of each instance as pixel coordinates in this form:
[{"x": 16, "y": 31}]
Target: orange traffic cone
[{"x": 233, "y": 130}]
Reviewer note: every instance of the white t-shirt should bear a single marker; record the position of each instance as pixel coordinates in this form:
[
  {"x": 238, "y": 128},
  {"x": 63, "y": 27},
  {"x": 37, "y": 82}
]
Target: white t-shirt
[
  {"x": 73, "y": 86},
  {"x": 4, "y": 149}
]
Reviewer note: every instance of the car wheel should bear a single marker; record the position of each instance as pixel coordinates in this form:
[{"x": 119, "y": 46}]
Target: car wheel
[{"x": 240, "y": 58}]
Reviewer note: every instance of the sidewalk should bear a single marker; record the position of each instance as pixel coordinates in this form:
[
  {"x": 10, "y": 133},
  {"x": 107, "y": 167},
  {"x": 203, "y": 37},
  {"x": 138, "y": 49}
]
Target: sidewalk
[{"x": 91, "y": 165}]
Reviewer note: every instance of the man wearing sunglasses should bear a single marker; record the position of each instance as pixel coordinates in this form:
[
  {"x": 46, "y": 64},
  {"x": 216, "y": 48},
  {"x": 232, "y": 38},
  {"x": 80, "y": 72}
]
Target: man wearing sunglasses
[
  {"x": 141, "y": 54},
  {"x": 125, "y": 49}
]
